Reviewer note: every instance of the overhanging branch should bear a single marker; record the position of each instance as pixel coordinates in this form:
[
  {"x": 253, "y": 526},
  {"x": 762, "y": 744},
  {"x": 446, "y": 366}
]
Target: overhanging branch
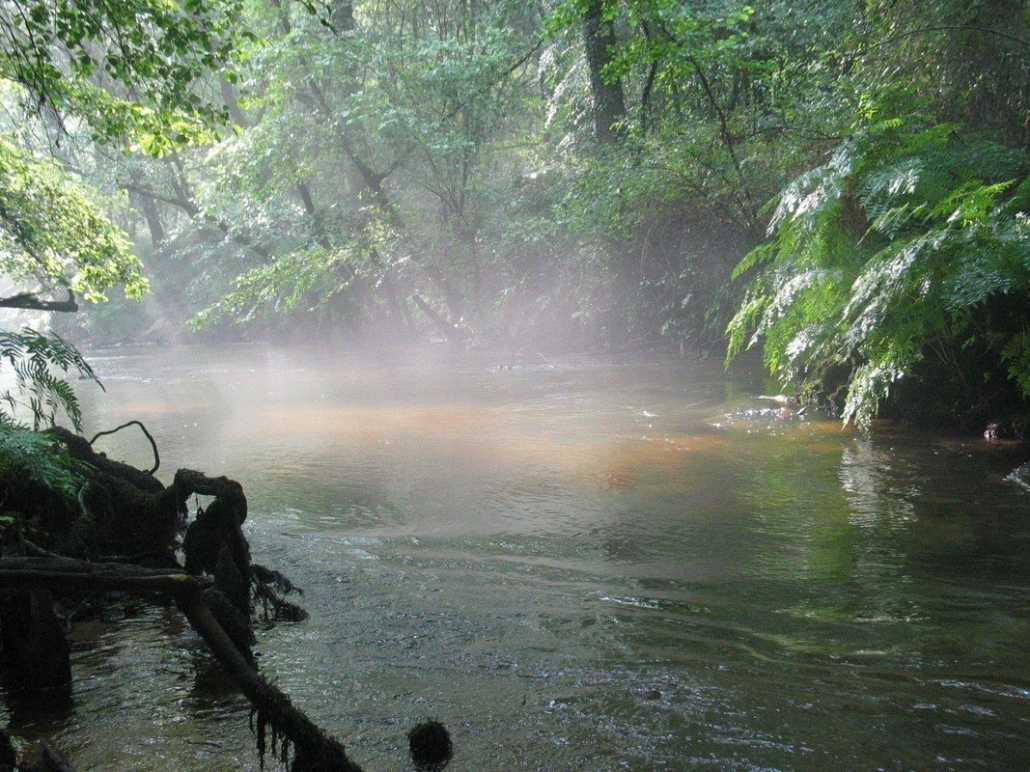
[{"x": 30, "y": 302}]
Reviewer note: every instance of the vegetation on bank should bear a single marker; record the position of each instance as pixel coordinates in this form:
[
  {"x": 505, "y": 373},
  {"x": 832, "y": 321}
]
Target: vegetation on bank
[{"x": 841, "y": 183}]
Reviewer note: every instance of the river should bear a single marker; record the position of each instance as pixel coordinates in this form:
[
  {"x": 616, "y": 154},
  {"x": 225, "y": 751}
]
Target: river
[{"x": 576, "y": 564}]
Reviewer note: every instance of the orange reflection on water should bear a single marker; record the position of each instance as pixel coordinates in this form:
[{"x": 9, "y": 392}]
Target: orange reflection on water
[
  {"x": 483, "y": 438},
  {"x": 631, "y": 458}
]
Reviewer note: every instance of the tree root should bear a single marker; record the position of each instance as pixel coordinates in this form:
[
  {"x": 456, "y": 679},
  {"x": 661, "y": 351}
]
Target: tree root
[{"x": 121, "y": 510}]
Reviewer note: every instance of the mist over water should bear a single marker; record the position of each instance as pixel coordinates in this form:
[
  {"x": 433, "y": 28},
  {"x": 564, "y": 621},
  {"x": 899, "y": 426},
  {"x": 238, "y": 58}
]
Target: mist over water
[{"x": 575, "y": 564}]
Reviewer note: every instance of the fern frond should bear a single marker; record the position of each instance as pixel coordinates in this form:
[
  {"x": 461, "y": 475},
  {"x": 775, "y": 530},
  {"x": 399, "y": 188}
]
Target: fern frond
[
  {"x": 33, "y": 357},
  {"x": 35, "y": 456},
  {"x": 943, "y": 229},
  {"x": 809, "y": 199}
]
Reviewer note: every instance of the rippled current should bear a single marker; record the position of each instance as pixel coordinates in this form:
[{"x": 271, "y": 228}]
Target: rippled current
[{"x": 575, "y": 564}]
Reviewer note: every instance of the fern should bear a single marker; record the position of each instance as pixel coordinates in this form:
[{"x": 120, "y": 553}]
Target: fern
[
  {"x": 30, "y": 456},
  {"x": 33, "y": 357},
  {"x": 900, "y": 239},
  {"x": 870, "y": 386}
]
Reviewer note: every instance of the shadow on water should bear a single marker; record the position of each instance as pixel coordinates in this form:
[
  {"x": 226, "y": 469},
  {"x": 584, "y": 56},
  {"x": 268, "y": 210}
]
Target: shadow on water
[{"x": 591, "y": 565}]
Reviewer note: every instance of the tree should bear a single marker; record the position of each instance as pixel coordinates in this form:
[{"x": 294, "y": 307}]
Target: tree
[
  {"x": 712, "y": 119},
  {"x": 122, "y": 74},
  {"x": 366, "y": 165},
  {"x": 605, "y": 86}
]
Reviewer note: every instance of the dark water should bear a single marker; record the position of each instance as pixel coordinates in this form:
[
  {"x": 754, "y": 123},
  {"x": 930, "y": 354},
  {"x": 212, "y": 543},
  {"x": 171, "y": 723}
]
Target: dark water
[{"x": 575, "y": 565}]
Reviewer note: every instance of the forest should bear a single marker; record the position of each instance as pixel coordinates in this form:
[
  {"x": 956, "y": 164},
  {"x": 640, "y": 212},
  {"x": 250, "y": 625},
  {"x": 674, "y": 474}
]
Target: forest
[{"x": 841, "y": 185}]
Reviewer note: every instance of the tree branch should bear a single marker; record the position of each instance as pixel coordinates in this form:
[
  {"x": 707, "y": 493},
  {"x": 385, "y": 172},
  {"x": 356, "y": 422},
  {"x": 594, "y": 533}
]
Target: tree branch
[
  {"x": 30, "y": 302},
  {"x": 952, "y": 28},
  {"x": 313, "y": 749},
  {"x": 153, "y": 444}
]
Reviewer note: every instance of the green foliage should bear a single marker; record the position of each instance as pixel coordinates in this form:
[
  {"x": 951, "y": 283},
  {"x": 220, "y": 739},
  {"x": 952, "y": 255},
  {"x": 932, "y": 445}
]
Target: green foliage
[
  {"x": 726, "y": 103},
  {"x": 53, "y": 233},
  {"x": 466, "y": 130},
  {"x": 30, "y": 455},
  {"x": 967, "y": 62},
  {"x": 302, "y": 282},
  {"x": 892, "y": 247},
  {"x": 123, "y": 74},
  {"x": 122, "y": 66},
  {"x": 33, "y": 357},
  {"x": 1016, "y": 354},
  {"x": 398, "y": 123},
  {"x": 119, "y": 73}
]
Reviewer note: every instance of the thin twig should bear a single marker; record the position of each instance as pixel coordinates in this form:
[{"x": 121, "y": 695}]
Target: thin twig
[{"x": 157, "y": 458}]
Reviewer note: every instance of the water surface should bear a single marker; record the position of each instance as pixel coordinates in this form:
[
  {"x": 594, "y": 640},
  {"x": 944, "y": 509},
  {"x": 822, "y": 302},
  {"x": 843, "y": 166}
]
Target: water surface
[{"x": 576, "y": 564}]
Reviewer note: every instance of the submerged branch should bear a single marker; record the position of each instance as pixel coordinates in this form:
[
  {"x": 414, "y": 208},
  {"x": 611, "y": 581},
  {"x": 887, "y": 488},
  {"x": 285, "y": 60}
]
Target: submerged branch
[{"x": 313, "y": 750}]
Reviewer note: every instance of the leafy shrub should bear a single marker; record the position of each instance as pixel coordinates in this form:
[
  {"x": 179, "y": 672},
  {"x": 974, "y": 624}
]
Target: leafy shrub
[{"x": 888, "y": 254}]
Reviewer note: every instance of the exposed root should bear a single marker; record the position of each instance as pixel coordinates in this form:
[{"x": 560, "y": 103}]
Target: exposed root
[{"x": 119, "y": 510}]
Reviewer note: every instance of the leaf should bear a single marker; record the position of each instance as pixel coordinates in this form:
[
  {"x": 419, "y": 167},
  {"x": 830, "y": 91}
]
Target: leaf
[{"x": 33, "y": 356}]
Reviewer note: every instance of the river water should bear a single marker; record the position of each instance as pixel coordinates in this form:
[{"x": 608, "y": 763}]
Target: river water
[{"x": 575, "y": 564}]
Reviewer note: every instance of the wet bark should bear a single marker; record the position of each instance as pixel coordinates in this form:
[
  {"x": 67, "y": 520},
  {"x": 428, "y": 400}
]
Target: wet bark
[
  {"x": 290, "y": 730},
  {"x": 124, "y": 511}
]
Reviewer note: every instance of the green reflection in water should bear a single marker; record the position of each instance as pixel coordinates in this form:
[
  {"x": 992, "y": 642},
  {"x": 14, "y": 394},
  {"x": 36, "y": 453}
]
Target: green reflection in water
[{"x": 601, "y": 566}]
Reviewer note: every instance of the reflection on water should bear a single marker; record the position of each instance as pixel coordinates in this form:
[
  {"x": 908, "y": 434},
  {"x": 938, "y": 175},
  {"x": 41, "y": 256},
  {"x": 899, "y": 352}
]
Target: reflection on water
[{"x": 590, "y": 565}]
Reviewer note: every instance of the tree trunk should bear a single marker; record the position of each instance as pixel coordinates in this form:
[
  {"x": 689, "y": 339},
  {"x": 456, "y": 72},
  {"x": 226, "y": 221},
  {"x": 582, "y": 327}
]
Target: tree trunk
[{"x": 609, "y": 103}]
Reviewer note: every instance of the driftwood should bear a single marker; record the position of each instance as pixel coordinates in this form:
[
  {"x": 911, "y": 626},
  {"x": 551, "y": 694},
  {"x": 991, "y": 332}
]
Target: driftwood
[
  {"x": 291, "y": 729},
  {"x": 121, "y": 532}
]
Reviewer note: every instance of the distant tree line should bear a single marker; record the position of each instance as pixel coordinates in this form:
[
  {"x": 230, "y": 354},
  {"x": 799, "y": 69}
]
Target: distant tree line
[{"x": 841, "y": 183}]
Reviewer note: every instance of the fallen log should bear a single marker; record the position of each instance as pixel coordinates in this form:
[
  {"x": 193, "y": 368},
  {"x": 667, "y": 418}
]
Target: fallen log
[
  {"x": 58, "y": 572},
  {"x": 313, "y": 750},
  {"x": 115, "y": 509}
]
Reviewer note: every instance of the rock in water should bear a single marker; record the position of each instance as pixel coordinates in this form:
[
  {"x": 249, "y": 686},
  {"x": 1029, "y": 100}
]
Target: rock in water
[{"x": 430, "y": 745}]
